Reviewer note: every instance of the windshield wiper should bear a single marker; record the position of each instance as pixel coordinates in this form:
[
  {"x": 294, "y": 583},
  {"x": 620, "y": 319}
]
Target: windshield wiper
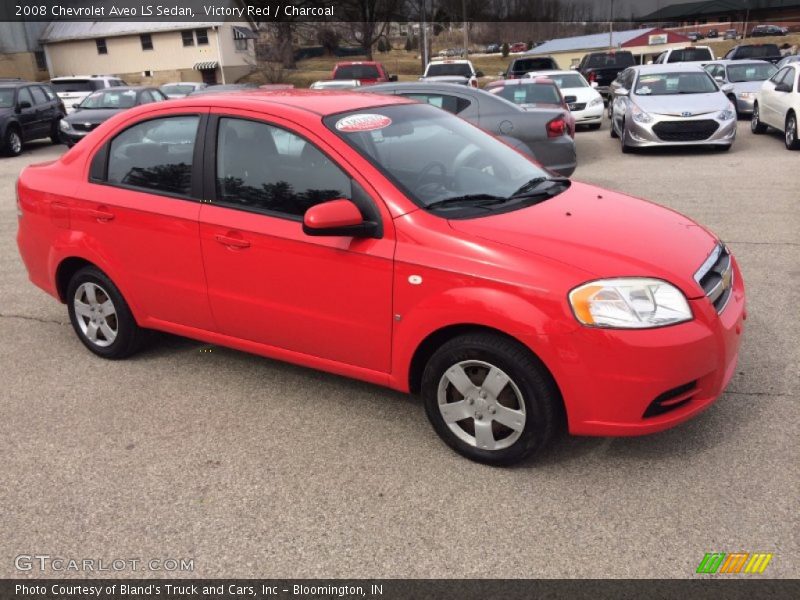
[
  {"x": 541, "y": 186},
  {"x": 480, "y": 200}
]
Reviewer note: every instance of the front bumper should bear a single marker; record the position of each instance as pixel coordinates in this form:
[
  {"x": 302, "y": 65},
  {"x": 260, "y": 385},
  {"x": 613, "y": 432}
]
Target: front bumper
[
  {"x": 72, "y": 137},
  {"x": 744, "y": 106},
  {"x": 609, "y": 378},
  {"x": 642, "y": 135},
  {"x": 557, "y": 154},
  {"x": 589, "y": 115}
]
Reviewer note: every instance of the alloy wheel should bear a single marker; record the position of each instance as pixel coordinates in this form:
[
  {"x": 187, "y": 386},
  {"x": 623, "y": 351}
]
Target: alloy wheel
[
  {"x": 96, "y": 314},
  {"x": 15, "y": 142},
  {"x": 481, "y": 405},
  {"x": 791, "y": 132}
]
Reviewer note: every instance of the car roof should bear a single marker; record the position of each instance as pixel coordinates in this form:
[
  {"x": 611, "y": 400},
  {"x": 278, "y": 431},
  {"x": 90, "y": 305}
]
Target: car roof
[
  {"x": 549, "y": 73},
  {"x": 320, "y": 102},
  {"x": 357, "y": 62},
  {"x": 746, "y": 61},
  {"x": 668, "y": 68},
  {"x": 422, "y": 86}
]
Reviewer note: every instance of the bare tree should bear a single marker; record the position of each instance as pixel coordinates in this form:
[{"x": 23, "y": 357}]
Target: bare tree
[{"x": 369, "y": 19}]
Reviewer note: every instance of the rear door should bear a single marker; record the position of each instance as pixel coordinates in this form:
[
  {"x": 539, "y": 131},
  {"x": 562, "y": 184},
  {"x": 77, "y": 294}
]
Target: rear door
[
  {"x": 140, "y": 204},
  {"x": 45, "y": 112},
  {"x": 27, "y": 117}
]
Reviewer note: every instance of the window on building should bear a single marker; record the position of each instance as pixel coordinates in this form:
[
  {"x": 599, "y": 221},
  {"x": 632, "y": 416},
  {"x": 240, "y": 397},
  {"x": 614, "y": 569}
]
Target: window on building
[
  {"x": 147, "y": 41},
  {"x": 155, "y": 155},
  {"x": 101, "y": 46},
  {"x": 241, "y": 44},
  {"x": 188, "y": 38},
  {"x": 41, "y": 60},
  {"x": 202, "y": 36}
]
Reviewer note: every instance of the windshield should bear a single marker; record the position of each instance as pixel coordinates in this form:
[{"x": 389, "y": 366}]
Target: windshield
[
  {"x": 666, "y": 84},
  {"x": 690, "y": 54},
  {"x": 611, "y": 59},
  {"x": 110, "y": 99},
  {"x": 751, "y": 72},
  {"x": 6, "y": 97},
  {"x": 436, "y": 157},
  {"x": 357, "y": 72},
  {"x": 568, "y": 80},
  {"x": 529, "y": 93},
  {"x": 532, "y": 64},
  {"x": 176, "y": 90},
  {"x": 443, "y": 69},
  {"x": 76, "y": 85}
]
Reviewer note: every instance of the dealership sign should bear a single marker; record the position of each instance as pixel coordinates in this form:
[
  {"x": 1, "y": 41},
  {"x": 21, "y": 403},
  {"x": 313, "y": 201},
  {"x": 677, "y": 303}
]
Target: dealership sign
[{"x": 658, "y": 38}]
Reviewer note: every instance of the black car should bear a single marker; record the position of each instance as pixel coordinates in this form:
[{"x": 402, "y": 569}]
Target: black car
[
  {"x": 28, "y": 111},
  {"x": 769, "y": 52},
  {"x": 526, "y": 64},
  {"x": 767, "y": 30},
  {"x": 712, "y": 33},
  {"x": 100, "y": 106}
]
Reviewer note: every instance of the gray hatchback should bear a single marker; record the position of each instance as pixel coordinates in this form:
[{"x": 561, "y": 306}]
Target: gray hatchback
[{"x": 531, "y": 131}]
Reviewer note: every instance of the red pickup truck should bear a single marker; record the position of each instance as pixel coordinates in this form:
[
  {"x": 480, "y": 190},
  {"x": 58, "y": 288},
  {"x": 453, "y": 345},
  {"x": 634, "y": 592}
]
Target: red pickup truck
[{"x": 366, "y": 72}]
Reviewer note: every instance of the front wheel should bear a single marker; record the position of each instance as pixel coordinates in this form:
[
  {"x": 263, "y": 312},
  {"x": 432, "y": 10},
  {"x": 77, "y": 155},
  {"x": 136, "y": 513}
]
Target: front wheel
[
  {"x": 100, "y": 316},
  {"x": 12, "y": 144},
  {"x": 756, "y": 126},
  {"x": 790, "y": 135},
  {"x": 490, "y": 399}
]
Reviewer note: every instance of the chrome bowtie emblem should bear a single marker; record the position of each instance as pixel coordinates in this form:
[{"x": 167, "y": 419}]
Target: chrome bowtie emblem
[
  {"x": 87, "y": 125},
  {"x": 686, "y": 114}
]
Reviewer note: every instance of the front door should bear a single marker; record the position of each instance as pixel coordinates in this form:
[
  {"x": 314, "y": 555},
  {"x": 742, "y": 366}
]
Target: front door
[{"x": 268, "y": 282}]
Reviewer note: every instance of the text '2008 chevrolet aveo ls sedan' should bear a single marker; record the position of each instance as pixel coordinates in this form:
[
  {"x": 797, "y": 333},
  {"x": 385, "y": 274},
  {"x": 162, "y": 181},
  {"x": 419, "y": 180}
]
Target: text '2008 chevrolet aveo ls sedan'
[{"x": 392, "y": 242}]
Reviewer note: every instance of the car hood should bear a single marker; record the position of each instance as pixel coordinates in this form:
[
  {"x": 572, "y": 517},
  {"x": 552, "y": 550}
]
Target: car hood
[
  {"x": 747, "y": 86},
  {"x": 677, "y": 104},
  {"x": 93, "y": 116},
  {"x": 582, "y": 94},
  {"x": 446, "y": 78},
  {"x": 603, "y": 232}
]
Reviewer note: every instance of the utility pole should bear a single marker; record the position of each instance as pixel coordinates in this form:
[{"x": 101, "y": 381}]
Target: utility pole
[
  {"x": 466, "y": 28},
  {"x": 611, "y": 26},
  {"x": 424, "y": 36}
]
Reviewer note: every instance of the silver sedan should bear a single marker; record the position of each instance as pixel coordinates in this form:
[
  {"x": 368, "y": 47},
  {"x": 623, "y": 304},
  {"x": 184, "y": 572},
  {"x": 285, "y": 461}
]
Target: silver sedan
[
  {"x": 746, "y": 77},
  {"x": 672, "y": 105}
]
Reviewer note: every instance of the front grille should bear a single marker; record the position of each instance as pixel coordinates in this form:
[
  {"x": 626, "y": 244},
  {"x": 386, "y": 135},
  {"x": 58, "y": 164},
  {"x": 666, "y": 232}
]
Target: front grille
[
  {"x": 671, "y": 399},
  {"x": 577, "y": 106},
  {"x": 84, "y": 126},
  {"x": 715, "y": 276},
  {"x": 685, "y": 131}
]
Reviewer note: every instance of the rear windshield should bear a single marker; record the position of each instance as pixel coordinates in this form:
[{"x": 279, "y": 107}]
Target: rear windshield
[
  {"x": 757, "y": 51},
  {"x": 569, "y": 80},
  {"x": 357, "y": 72},
  {"x": 76, "y": 85},
  {"x": 110, "y": 99},
  {"x": 177, "y": 89},
  {"x": 751, "y": 72},
  {"x": 530, "y": 93},
  {"x": 532, "y": 64},
  {"x": 690, "y": 54},
  {"x": 445, "y": 69},
  {"x": 6, "y": 97},
  {"x": 610, "y": 59}
]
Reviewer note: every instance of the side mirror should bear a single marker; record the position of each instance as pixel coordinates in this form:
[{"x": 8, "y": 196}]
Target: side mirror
[
  {"x": 594, "y": 84},
  {"x": 621, "y": 91},
  {"x": 727, "y": 88},
  {"x": 392, "y": 77},
  {"x": 337, "y": 217},
  {"x": 479, "y": 74},
  {"x": 783, "y": 87},
  {"x": 24, "y": 104},
  {"x": 76, "y": 105},
  {"x": 719, "y": 79}
]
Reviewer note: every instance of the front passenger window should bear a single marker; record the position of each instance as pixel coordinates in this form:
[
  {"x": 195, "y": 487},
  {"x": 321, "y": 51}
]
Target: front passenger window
[
  {"x": 267, "y": 168},
  {"x": 155, "y": 155}
]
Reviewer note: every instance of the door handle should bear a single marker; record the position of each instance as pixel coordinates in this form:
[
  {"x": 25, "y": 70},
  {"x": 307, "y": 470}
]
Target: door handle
[
  {"x": 100, "y": 214},
  {"x": 232, "y": 242}
]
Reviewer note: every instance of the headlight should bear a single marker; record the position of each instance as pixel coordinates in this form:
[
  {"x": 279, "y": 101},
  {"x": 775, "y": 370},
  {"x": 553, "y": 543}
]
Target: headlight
[
  {"x": 63, "y": 125},
  {"x": 727, "y": 114},
  {"x": 639, "y": 115},
  {"x": 747, "y": 95},
  {"x": 596, "y": 101},
  {"x": 629, "y": 303}
]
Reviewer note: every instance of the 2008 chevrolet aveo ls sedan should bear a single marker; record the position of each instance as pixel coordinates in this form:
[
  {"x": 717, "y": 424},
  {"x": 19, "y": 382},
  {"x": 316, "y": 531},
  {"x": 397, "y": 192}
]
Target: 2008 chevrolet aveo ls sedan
[{"x": 392, "y": 242}]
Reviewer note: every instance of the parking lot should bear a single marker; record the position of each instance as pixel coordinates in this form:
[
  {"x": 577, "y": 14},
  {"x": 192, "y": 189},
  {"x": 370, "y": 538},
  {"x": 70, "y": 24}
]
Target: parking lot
[{"x": 256, "y": 468}]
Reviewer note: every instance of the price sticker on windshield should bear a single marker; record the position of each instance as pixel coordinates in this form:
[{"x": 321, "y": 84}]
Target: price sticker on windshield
[{"x": 362, "y": 122}]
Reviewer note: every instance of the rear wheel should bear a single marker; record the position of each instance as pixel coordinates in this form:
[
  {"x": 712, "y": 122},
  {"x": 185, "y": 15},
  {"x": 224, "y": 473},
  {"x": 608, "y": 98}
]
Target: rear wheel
[
  {"x": 790, "y": 134},
  {"x": 490, "y": 399},
  {"x": 100, "y": 316},
  {"x": 12, "y": 144},
  {"x": 756, "y": 126},
  {"x": 54, "y": 136}
]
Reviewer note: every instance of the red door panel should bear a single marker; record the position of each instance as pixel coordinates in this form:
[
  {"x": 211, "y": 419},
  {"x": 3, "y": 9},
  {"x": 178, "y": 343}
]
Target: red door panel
[{"x": 269, "y": 282}]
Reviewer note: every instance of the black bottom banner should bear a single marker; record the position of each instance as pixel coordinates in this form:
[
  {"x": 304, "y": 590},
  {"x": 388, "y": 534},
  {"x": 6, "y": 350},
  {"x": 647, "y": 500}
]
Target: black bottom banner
[{"x": 395, "y": 589}]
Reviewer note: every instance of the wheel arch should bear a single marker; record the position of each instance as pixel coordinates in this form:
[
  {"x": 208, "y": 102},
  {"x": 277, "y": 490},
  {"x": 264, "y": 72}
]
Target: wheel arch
[{"x": 66, "y": 270}]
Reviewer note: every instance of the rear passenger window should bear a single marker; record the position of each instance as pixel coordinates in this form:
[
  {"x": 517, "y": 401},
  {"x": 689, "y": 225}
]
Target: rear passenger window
[
  {"x": 452, "y": 104},
  {"x": 262, "y": 167},
  {"x": 25, "y": 96},
  {"x": 38, "y": 95},
  {"x": 155, "y": 155}
]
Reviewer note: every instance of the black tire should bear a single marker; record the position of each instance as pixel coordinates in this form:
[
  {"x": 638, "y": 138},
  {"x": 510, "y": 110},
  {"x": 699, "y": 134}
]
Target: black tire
[
  {"x": 55, "y": 138},
  {"x": 528, "y": 384},
  {"x": 129, "y": 337},
  {"x": 622, "y": 145},
  {"x": 790, "y": 132},
  {"x": 756, "y": 126},
  {"x": 611, "y": 131},
  {"x": 12, "y": 141}
]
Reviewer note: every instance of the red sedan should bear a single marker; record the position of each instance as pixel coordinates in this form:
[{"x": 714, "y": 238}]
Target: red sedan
[{"x": 392, "y": 242}]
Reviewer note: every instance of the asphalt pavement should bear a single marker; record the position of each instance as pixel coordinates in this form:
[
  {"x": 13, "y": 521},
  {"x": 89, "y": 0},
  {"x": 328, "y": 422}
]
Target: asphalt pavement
[{"x": 255, "y": 468}]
